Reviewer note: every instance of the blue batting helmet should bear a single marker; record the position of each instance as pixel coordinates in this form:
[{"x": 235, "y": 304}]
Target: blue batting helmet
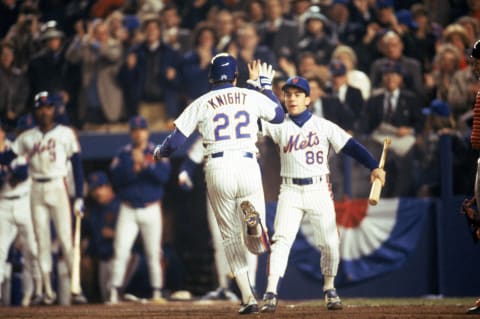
[{"x": 223, "y": 68}]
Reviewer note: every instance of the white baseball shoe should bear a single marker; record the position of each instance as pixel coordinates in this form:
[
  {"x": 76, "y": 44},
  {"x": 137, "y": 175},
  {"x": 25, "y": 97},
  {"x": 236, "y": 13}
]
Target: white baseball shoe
[
  {"x": 113, "y": 299},
  {"x": 50, "y": 299}
]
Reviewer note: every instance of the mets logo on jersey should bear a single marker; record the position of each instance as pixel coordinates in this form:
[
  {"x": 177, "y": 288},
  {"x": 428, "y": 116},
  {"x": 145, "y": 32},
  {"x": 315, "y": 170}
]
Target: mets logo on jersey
[{"x": 295, "y": 143}]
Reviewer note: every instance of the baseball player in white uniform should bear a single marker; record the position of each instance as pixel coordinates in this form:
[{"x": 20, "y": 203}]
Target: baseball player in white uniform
[
  {"x": 196, "y": 154},
  {"x": 48, "y": 147},
  {"x": 16, "y": 219},
  {"x": 226, "y": 117},
  {"x": 304, "y": 140}
]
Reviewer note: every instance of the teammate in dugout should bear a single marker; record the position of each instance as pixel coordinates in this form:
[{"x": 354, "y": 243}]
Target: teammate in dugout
[
  {"x": 226, "y": 117},
  {"x": 48, "y": 147},
  {"x": 304, "y": 140},
  {"x": 139, "y": 183}
]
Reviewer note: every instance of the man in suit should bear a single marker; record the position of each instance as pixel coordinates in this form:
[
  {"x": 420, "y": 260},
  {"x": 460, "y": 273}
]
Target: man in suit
[
  {"x": 392, "y": 48},
  {"x": 350, "y": 96},
  {"x": 328, "y": 106},
  {"x": 396, "y": 112}
]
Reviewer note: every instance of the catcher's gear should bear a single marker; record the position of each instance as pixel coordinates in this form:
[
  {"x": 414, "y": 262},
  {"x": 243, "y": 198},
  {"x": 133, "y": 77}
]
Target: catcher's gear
[
  {"x": 223, "y": 68},
  {"x": 469, "y": 209}
]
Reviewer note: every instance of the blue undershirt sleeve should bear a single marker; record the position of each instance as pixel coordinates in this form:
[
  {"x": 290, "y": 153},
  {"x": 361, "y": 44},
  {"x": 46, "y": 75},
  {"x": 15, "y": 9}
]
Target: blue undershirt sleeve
[
  {"x": 77, "y": 174},
  {"x": 357, "y": 151},
  {"x": 172, "y": 142}
]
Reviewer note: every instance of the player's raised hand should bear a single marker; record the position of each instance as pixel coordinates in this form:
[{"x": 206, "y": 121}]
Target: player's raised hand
[
  {"x": 253, "y": 74},
  {"x": 266, "y": 74}
]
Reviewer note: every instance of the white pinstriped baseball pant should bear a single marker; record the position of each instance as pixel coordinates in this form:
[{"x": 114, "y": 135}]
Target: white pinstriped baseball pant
[
  {"x": 231, "y": 180},
  {"x": 312, "y": 201}
]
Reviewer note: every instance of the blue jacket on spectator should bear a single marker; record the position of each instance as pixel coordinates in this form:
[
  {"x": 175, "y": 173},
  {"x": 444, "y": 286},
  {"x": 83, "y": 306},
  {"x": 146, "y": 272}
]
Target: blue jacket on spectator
[
  {"x": 195, "y": 78},
  {"x": 139, "y": 189},
  {"x": 134, "y": 80}
]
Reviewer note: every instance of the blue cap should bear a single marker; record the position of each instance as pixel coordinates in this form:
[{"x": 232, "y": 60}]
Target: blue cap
[
  {"x": 297, "y": 82},
  {"x": 392, "y": 67},
  {"x": 337, "y": 68},
  {"x": 25, "y": 122},
  {"x": 138, "y": 121},
  {"x": 382, "y": 4},
  {"x": 43, "y": 99},
  {"x": 405, "y": 17},
  {"x": 96, "y": 179},
  {"x": 131, "y": 22},
  {"x": 437, "y": 107}
]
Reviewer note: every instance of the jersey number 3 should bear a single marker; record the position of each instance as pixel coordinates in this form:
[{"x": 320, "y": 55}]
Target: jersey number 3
[{"x": 241, "y": 120}]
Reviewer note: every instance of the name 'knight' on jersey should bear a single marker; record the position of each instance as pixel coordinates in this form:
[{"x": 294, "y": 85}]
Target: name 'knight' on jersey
[{"x": 223, "y": 120}]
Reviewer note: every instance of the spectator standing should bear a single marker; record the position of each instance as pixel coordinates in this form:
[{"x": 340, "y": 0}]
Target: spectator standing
[
  {"x": 355, "y": 77},
  {"x": 277, "y": 33},
  {"x": 173, "y": 34},
  {"x": 150, "y": 77},
  {"x": 51, "y": 60},
  {"x": 249, "y": 49},
  {"x": 100, "y": 99},
  {"x": 445, "y": 63},
  {"x": 196, "y": 62},
  {"x": 317, "y": 38},
  {"x": 13, "y": 88}
]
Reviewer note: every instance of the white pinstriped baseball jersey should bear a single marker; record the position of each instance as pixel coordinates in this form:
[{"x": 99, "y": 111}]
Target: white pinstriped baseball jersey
[
  {"x": 227, "y": 118},
  {"x": 47, "y": 153},
  {"x": 21, "y": 188},
  {"x": 304, "y": 150}
]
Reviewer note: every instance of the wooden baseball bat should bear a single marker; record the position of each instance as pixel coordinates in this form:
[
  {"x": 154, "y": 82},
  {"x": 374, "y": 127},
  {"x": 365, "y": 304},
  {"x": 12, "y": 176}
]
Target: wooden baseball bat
[
  {"x": 75, "y": 280},
  {"x": 377, "y": 184}
]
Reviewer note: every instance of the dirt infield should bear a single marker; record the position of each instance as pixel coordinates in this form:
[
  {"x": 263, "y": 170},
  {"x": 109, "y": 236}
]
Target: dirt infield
[{"x": 218, "y": 309}]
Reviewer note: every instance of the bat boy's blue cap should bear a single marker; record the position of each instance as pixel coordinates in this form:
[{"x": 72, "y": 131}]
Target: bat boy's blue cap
[
  {"x": 138, "y": 121},
  {"x": 96, "y": 179},
  {"x": 297, "y": 82}
]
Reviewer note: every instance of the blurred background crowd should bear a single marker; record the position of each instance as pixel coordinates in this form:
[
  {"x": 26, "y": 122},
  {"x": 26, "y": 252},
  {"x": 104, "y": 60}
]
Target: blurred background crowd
[{"x": 375, "y": 68}]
